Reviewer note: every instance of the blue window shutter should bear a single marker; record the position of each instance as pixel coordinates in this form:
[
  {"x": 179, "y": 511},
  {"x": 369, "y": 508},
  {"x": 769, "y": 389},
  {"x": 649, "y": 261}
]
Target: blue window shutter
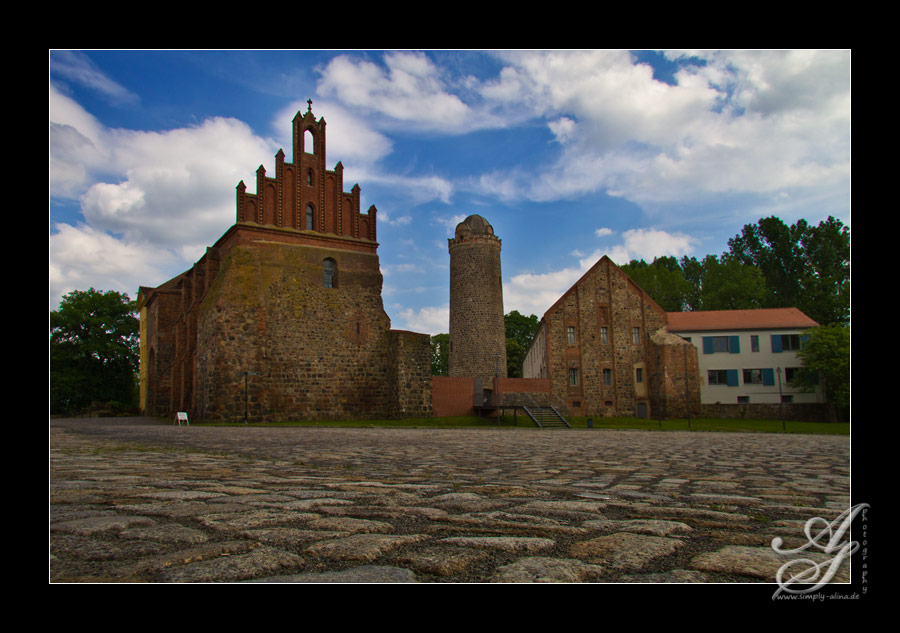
[
  {"x": 734, "y": 344},
  {"x": 776, "y": 343},
  {"x": 768, "y": 376},
  {"x": 708, "y": 345},
  {"x": 732, "y": 377}
]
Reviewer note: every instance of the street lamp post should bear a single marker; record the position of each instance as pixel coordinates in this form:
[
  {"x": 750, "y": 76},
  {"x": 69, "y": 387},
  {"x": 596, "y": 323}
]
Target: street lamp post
[{"x": 780, "y": 398}]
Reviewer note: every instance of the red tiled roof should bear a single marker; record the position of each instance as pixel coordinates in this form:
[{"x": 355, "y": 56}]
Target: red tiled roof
[{"x": 738, "y": 320}]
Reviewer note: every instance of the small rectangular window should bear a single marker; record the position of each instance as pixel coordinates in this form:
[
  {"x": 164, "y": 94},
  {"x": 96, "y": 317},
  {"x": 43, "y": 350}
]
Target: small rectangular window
[
  {"x": 754, "y": 343},
  {"x": 636, "y": 335},
  {"x": 570, "y": 332},
  {"x": 607, "y": 376},
  {"x": 573, "y": 377},
  {"x": 604, "y": 335},
  {"x": 717, "y": 377},
  {"x": 753, "y": 376},
  {"x": 639, "y": 374}
]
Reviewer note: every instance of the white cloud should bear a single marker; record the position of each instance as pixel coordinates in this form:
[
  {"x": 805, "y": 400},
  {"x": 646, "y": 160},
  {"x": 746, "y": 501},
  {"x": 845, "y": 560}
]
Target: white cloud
[
  {"x": 408, "y": 88},
  {"x": 176, "y": 186},
  {"x": 429, "y": 320},
  {"x": 166, "y": 195},
  {"x": 75, "y": 66},
  {"x": 603, "y": 232},
  {"x": 756, "y": 122},
  {"x": 82, "y": 257},
  {"x": 648, "y": 244}
]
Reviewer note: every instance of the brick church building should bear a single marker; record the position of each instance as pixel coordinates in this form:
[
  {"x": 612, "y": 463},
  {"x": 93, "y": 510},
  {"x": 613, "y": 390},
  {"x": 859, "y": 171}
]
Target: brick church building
[{"x": 283, "y": 318}]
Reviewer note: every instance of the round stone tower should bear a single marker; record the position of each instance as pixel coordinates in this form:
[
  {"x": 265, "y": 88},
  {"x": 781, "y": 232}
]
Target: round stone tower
[{"x": 477, "y": 329}]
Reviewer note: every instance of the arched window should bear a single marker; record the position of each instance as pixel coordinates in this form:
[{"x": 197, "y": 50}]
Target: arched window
[
  {"x": 310, "y": 218},
  {"x": 329, "y": 273},
  {"x": 309, "y": 142}
]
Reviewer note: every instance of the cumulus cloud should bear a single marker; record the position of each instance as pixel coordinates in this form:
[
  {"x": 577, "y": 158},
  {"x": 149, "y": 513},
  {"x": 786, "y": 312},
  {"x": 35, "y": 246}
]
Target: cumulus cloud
[
  {"x": 168, "y": 177},
  {"x": 407, "y": 87},
  {"x": 757, "y": 121},
  {"x": 428, "y": 320},
  {"x": 148, "y": 198},
  {"x": 83, "y": 257}
]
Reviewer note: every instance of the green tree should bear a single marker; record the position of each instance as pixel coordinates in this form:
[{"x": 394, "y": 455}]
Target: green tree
[
  {"x": 826, "y": 288},
  {"x": 728, "y": 284},
  {"x": 804, "y": 266},
  {"x": 663, "y": 280},
  {"x": 440, "y": 355},
  {"x": 520, "y": 330},
  {"x": 692, "y": 270},
  {"x": 826, "y": 355},
  {"x": 94, "y": 351}
]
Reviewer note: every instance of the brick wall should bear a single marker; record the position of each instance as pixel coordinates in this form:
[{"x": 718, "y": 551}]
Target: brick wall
[{"x": 452, "y": 396}]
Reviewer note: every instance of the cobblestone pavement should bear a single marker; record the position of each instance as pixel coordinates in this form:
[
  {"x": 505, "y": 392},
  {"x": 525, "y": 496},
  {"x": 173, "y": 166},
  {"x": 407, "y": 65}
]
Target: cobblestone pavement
[{"x": 132, "y": 500}]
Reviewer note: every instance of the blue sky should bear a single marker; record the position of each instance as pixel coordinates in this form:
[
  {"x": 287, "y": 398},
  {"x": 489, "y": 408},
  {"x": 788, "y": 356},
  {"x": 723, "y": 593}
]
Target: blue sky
[{"x": 571, "y": 155}]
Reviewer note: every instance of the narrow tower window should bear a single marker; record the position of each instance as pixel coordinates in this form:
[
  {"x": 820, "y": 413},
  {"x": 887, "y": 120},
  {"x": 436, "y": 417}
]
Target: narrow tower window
[
  {"x": 309, "y": 178},
  {"x": 328, "y": 274},
  {"x": 310, "y": 217}
]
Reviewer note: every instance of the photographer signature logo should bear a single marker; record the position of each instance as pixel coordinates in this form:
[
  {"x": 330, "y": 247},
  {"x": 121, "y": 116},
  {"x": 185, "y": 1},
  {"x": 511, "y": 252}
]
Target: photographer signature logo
[{"x": 830, "y": 538}]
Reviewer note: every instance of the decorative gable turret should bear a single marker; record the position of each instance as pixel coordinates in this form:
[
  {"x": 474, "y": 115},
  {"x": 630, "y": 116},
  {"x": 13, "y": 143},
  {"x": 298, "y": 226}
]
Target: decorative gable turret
[{"x": 304, "y": 195}]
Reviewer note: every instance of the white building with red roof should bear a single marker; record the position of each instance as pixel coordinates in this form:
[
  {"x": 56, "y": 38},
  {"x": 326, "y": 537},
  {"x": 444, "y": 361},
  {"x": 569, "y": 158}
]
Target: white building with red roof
[{"x": 747, "y": 356}]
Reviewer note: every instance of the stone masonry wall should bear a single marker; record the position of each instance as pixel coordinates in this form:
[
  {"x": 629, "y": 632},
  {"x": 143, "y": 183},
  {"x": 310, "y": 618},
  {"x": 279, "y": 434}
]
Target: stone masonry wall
[
  {"x": 313, "y": 352},
  {"x": 595, "y": 363},
  {"x": 477, "y": 328},
  {"x": 411, "y": 368}
]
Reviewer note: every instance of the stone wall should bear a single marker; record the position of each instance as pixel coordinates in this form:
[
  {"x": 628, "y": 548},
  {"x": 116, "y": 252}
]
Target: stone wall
[
  {"x": 800, "y": 412},
  {"x": 596, "y": 347},
  {"x": 675, "y": 381},
  {"x": 411, "y": 373},
  {"x": 311, "y": 352}
]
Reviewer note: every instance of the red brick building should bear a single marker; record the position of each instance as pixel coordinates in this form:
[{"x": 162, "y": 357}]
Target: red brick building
[{"x": 283, "y": 318}]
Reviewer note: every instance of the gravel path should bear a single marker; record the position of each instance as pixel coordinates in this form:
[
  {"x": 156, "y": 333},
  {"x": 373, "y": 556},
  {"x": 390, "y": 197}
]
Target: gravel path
[{"x": 132, "y": 500}]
